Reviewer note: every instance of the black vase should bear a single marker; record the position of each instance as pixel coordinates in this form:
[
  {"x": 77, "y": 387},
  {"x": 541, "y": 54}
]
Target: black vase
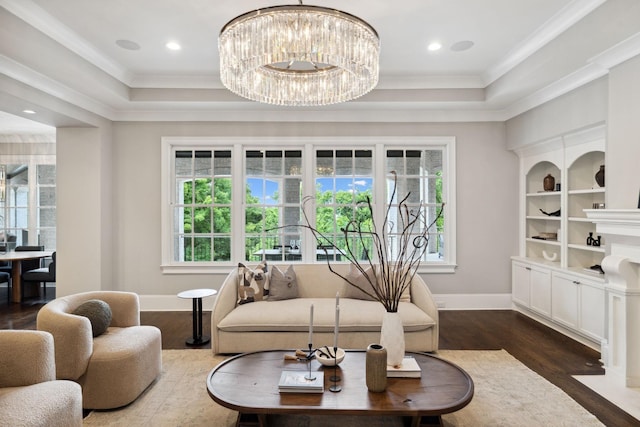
[{"x": 600, "y": 176}]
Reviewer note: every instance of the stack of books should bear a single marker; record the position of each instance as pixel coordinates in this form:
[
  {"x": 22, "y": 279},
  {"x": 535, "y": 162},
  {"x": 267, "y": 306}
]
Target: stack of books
[
  {"x": 296, "y": 382},
  {"x": 408, "y": 369}
]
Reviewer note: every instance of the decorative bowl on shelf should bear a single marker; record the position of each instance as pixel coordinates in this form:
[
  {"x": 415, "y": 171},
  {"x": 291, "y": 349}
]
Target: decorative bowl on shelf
[{"x": 325, "y": 354}]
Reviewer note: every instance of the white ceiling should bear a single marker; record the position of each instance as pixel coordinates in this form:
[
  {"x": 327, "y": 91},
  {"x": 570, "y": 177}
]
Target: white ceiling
[{"x": 60, "y": 57}]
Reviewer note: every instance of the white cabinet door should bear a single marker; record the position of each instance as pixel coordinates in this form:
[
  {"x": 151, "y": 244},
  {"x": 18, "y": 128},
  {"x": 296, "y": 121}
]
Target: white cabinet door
[
  {"x": 565, "y": 300},
  {"x": 520, "y": 283},
  {"x": 540, "y": 282},
  {"x": 592, "y": 307}
]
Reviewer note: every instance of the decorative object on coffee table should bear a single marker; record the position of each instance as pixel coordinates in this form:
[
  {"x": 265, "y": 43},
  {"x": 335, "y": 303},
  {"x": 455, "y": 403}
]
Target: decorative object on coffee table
[
  {"x": 600, "y": 176},
  {"x": 376, "y": 368},
  {"x": 549, "y": 183},
  {"x": 392, "y": 337},
  {"x": 394, "y": 260},
  {"x": 327, "y": 357}
]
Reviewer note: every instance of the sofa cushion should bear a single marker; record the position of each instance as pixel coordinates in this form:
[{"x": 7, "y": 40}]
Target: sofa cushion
[
  {"x": 251, "y": 283},
  {"x": 99, "y": 314},
  {"x": 356, "y": 276},
  {"x": 282, "y": 286},
  {"x": 364, "y": 281},
  {"x": 293, "y": 316}
]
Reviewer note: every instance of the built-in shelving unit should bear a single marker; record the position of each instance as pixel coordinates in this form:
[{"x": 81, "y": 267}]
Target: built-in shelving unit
[{"x": 552, "y": 276}]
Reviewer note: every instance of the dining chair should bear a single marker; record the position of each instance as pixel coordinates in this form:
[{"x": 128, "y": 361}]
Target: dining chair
[
  {"x": 5, "y": 266},
  {"x": 42, "y": 275},
  {"x": 6, "y": 278},
  {"x": 29, "y": 264}
]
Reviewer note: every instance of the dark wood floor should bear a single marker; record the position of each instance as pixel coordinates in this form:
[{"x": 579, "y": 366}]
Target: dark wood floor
[{"x": 550, "y": 354}]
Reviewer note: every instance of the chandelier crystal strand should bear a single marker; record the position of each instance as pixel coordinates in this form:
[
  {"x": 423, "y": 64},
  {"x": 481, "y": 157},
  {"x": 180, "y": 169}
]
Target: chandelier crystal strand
[{"x": 299, "y": 56}]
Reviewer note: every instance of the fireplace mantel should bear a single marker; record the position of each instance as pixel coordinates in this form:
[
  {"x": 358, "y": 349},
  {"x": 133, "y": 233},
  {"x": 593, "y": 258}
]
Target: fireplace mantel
[{"x": 620, "y": 222}]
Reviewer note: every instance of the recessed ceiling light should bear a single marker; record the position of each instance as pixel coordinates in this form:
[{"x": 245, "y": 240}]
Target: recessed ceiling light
[
  {"x": 128, "y": 44},
  {"x": 462, "y": 45},
  {"x": 173, "y": 46},
  {"x": 433, "y": 46},
  {"x": 28, "y": 111}
]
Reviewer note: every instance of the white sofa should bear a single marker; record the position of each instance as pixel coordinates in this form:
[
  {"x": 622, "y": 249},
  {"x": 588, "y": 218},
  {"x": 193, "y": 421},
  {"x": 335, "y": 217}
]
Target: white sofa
[{"x": 284, "y": 324}]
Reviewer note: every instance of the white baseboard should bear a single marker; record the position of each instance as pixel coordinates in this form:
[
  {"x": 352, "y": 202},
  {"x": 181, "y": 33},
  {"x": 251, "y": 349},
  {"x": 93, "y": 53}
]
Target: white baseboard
[
  {"x": 473, "y": 301},
  {"x": 444, "y": 301}
]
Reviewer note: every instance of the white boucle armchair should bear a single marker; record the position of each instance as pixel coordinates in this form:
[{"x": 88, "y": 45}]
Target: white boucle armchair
[
  {"x": 30, "y": 395},
  {"x": 113, "y": 368}
]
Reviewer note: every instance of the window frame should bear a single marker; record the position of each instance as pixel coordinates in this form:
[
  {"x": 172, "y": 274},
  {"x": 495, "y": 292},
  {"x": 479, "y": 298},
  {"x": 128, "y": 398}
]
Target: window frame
[{"x": 308, "y": 145}]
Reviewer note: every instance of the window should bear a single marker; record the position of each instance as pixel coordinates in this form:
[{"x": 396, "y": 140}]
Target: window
[
  {"x": 418, "y": 175},
  {"x": 241, "y": 200},
  {"x": 272, "y": 204},
  {"x": 343, "y": 183},
  {"x": 202, "y": 209},
  {"x": 28, "y": 214},
  {"x": 46, "y": 205}
]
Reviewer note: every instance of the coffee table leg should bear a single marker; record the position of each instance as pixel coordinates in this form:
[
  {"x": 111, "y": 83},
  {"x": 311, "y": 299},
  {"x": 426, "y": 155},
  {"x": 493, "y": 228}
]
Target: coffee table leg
[
  {"x": 251, "y": 420},
  {"x": 424, "y": 421}
]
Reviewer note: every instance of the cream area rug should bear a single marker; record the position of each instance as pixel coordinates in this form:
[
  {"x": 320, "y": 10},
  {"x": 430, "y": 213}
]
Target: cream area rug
[{"x": 507, "y": 393}]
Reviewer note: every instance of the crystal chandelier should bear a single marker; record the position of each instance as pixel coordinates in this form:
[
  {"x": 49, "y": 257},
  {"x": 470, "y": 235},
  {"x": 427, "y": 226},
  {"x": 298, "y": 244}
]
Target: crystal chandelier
[{"x": 299, "y": 55}]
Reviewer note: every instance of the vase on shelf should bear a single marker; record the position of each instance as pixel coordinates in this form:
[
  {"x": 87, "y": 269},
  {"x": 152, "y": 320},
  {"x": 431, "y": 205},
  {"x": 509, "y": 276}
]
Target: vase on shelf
[
  {"x": 376, "y": 368},
  {"x": 600, "y": 176},
  {"x": 392, "y": 337},
  {"x": 549, "y": 183}
]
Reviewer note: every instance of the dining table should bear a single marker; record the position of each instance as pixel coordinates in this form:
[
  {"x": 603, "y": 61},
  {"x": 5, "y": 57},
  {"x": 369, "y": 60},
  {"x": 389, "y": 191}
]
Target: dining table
[{"x": 16, "y": 259}]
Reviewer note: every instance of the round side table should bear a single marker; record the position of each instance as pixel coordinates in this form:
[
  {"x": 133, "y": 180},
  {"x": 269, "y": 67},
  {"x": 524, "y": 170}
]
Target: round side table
[{"x": 196, "y": 295}]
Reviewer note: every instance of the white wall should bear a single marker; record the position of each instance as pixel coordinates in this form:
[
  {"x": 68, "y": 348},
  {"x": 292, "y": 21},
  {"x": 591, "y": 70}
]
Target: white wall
[
  {"x": 578, "y": 109},
  {"x": 84, "y": 210},
  {"x": 623, "y": 140},
  {"x": 487, "y": 193}
]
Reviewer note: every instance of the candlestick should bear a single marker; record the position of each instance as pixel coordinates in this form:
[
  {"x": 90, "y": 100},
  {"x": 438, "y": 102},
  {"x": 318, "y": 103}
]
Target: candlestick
[
  {"x": 335, "y": 331},
  {"x": 311, "y": 325}
]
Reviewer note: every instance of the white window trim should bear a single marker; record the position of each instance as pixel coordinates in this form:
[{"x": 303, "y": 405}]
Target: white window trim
[{"x": 239, "y": 144}]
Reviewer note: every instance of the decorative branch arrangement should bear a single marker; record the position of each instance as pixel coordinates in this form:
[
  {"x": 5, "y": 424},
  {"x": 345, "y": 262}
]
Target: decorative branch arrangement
[{"x": 393, "y": 273}]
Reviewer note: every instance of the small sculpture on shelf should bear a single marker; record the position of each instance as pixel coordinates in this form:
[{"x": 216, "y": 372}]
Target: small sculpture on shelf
[
  {"x": 593, "y": 242},
  {"x": 600, "y": 176},
  {"x": 549, "y": 183},
  {"x": 554, "y": 213}
]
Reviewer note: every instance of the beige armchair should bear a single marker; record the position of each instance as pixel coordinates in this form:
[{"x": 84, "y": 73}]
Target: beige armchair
[
  {"x": 113, "y": 368},
  {"x": 29, "y": 393}
]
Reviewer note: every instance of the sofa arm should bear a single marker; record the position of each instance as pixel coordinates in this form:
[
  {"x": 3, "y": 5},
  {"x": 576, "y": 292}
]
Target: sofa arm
[
  {"x": 26, "y": 358},
  {"x": 223, "y": 304},
  {"x": 421, "y": 296},
  {"x": 72, "y": 336}
]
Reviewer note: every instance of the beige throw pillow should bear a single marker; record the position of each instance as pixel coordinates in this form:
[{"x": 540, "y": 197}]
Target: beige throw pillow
[
  {"x": 281, "y": 285},
  {"x": 358, "y": 278},
  {"x": 364, "y": 281}
]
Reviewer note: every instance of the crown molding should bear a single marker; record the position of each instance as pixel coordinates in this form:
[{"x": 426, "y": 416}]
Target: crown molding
[
  {"x": 35, "y": 16},
  {"x": 563, "y": 20}
]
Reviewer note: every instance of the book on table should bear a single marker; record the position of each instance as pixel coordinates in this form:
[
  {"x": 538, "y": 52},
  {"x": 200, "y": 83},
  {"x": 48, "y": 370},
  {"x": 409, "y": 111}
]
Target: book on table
[
  {"x": 297, "y": 382},
  {"x": 409, "y": 369}
]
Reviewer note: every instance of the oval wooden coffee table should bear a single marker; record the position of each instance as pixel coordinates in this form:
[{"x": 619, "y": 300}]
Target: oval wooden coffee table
[{"x": 248, "y": 383}]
